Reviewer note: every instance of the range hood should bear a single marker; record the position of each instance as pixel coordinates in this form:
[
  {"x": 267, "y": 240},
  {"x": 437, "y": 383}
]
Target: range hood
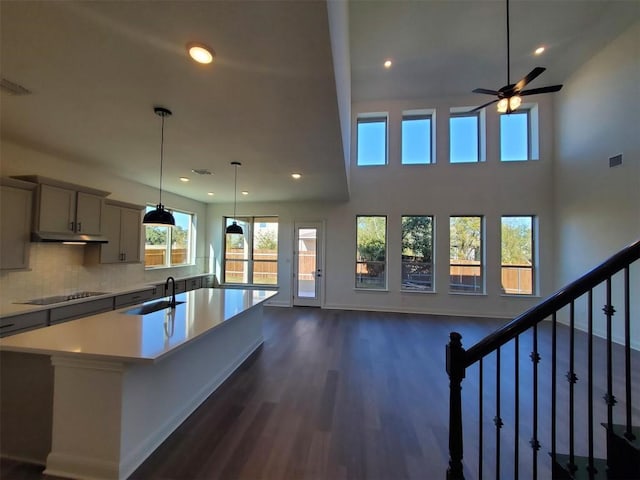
[{"x": 78, "y": 238}]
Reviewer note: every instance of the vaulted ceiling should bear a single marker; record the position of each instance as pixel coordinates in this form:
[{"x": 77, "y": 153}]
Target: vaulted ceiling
[{"x": 95, "y": 71}]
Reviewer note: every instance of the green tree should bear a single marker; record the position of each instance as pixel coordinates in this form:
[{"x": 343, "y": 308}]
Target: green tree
[
  {"x": 179, "y": 236},
  {"x": 266, "y": 239},
  {"x": 465, "y": 233},
  {"x": 417, "y": 237},
  {"x": 372, "y": 232},
  {"x": 156, "y": 235},
  {"x": 516, "y": 242}
]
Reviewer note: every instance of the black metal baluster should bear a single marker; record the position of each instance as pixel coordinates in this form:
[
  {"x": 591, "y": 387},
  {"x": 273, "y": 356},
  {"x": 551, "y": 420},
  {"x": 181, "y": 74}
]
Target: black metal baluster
[
  {"x": 517, "y": 408},
  {"x": 554, "y": 341},
  {"x": 455, "y": 356},
  {"x": 590, "y": 468},
  {"x": 609, "y": 397},
  {"x": 627, "y": 356},
  {"x": 535, "y": 443},
  {"x": 572, "y": 379},
  {"x": 497, "y": 420},
  {"x": 480, "y": 427}
]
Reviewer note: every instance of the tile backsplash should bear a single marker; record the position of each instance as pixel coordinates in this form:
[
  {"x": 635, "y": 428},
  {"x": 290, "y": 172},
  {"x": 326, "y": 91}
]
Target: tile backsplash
[{"x": 58, "y": 269}]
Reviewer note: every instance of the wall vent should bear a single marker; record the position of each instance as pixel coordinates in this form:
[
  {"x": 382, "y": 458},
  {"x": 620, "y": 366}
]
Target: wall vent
[
  {"x": 615, "y": 161},
  {"x": 12, "y": 88},
  {"x": 201, "y": 171}
]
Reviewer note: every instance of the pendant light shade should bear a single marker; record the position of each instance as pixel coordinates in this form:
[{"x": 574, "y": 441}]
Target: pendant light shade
[
  {"x": 160, "y": 216},
  {"x": 234, "y": 228}
]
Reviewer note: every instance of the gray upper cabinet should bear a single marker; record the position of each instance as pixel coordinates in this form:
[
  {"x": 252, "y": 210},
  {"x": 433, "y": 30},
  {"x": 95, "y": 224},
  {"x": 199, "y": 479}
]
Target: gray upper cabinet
[
  {"x": 63, "y": 207},
  {"x": 16, "y": 199},
  {"x": 122, "y": 225}
]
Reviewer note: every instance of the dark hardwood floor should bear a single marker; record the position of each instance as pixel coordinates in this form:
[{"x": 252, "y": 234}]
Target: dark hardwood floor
[{"x": 335, "y": 395}]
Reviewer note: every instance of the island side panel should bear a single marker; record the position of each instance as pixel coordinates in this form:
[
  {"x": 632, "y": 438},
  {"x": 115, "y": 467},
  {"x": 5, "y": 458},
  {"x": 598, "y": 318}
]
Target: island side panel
[
  {"x": 26, "y": 398},
  {"x": 159, "y": 397},
  {"x": 109, "y": 416}
]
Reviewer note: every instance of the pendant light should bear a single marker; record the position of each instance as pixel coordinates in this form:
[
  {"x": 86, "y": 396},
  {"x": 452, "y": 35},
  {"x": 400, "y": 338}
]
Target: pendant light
[
  {"x": 234, "y": 227},
  {"x": 160, "y": 216}
]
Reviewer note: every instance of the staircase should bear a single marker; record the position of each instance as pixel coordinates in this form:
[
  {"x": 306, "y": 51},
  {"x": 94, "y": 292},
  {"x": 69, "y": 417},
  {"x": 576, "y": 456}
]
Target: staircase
[{"x": 559, "y": 378}]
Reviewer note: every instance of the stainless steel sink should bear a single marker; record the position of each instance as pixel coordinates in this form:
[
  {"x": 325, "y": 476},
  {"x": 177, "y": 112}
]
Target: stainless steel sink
[{"x": 150, "y": 307}]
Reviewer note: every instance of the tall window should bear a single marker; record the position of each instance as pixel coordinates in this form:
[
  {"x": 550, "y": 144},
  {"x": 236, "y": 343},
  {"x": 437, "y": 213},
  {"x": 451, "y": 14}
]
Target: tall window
[
  {"x": 518, "y": 266},
  {"x": 514, "y": 136},
  {"x": 252, "y": 258},
  {"x": 417, "y": 253},
  {"x": 464, "y": 137},
  {"x": 167, "y": 246},
  {"x": 416, "y": 139},
  {"x": 371, "y": 252},
  {"x": 466, "y": 255},
  {"x": 372, "y": 141}
]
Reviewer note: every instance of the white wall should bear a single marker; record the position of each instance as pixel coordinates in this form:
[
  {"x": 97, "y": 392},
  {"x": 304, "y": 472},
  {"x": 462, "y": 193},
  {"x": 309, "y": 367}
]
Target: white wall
[
  {"x": 489, "y": 188},
  {"x": 597, "y": 207},
  {"x": 56, "y": 268}
]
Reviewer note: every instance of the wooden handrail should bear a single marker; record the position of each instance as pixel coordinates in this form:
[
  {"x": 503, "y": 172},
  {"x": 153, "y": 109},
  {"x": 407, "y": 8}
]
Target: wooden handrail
[{"x": 553, "y": 303}]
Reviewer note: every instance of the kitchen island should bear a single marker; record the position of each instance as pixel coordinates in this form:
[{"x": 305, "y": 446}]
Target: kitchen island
[{"x": 121, "y": 381}]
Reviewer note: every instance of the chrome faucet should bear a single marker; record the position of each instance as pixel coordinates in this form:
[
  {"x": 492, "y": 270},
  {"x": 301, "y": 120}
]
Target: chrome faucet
[{"x": 173, "y": 290}]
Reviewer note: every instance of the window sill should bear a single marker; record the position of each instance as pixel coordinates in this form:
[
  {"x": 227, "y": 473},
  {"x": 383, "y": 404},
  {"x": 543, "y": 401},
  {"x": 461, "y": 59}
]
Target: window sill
[
  {"x": 421, "y": 292},
  {"x": 521, "y": 295},
  {"x": 166, "y": 267},
  {"x": 374, "y": 290},
  {"x": 469, "y": 294},
  {"x": 250, "y": 286}
]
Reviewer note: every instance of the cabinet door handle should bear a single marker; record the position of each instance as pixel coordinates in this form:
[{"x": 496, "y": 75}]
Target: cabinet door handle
[
  {"x": 72, "y": 226},
  {"x": 124, "y": 257},
  {"x": 7, "y": 325},
  {"x": 79, "y": 226}
]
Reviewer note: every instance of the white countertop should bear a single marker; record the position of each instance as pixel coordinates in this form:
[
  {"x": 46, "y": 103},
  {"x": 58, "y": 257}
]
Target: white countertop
[{"x": 116, "y": 335}]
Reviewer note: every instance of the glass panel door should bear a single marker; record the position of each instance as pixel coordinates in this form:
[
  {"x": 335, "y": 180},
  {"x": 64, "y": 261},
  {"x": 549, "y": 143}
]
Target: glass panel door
[{"x": 308, "y": 273}]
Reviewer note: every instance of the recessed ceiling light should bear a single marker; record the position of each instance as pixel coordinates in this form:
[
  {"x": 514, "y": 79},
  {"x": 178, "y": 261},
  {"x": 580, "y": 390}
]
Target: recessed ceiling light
[
  {"x": 210, "y": 194},
  {"x": 200, "y": 53},
  {"x": 539, "y": 51},
  {"x": 184, "y": 179},
  {"x": 387, "y": 63},
  {"x": 244, "y": 192},
  {"x": 296, "y": 175}
]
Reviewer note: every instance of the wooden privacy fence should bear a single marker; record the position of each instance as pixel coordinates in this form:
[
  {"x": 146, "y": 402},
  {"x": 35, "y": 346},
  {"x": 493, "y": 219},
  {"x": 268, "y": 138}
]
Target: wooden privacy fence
[{"x": 155, "y": 255}]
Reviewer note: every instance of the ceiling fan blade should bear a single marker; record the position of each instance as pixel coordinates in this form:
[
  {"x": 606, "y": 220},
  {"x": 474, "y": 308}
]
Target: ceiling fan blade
[
  {"x": 530, "y": 76},
  {"x": 485, "y": 105},
  {"x": 484, "y": 90},
  {"x": 535, "y": 91}
]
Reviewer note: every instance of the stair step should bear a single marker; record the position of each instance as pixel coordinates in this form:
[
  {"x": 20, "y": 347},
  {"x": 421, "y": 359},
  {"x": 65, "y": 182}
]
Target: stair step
[
  {"x": 623, "y": 454},
  {"x": 561, "y": 470},
  {"x": 619, "y": 430}
]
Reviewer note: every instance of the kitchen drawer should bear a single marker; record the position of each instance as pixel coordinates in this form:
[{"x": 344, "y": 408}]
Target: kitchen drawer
[
  {"x": 208, "y": 281},
  {"x": 181, "y": 286},
  {"x": 78, "y": 310},
  {"x": 134, "y": 298},
  {"x": 21, "y": 323},
  {"x": 193, "y": 283}
]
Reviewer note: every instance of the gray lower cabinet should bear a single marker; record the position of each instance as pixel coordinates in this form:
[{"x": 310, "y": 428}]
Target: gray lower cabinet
[
  {"x": 23, "y": 322},
  {"x": 77, "y": 310},
  {"x": 193, "y": 283},
  {"x": 136, "y": 297}
]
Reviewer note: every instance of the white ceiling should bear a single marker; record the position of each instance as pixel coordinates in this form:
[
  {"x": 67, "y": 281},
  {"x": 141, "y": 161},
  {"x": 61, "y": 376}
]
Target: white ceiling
[{"x": 97, "y": 69}]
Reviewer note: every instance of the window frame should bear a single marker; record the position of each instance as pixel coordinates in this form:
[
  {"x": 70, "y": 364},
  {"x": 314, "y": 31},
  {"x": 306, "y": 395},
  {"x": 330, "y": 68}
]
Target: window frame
[
  {"x": 477, "y": 116},
  {"x": 432, "y": 263},
  {"x": 534, "y": 257},
  {"x": 528, "y": 131},
  {"x": 191, "y": 238},
  {"x": 481, "y": 289},
  {"x": 411, "y": 116},
  {"x": 373, "y": 118},
  {"x": 251, "y": 261},
  {"x": 359, "y": 262}
]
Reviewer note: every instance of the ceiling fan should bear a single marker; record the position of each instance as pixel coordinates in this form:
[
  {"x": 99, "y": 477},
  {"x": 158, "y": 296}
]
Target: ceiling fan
[{"x": 509, "y": 96}]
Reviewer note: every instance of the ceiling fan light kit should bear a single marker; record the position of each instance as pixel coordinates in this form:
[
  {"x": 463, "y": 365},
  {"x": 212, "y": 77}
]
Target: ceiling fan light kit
[
  {"x": 509, "y": 97},
  {"x": 160, "y": 217}
]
